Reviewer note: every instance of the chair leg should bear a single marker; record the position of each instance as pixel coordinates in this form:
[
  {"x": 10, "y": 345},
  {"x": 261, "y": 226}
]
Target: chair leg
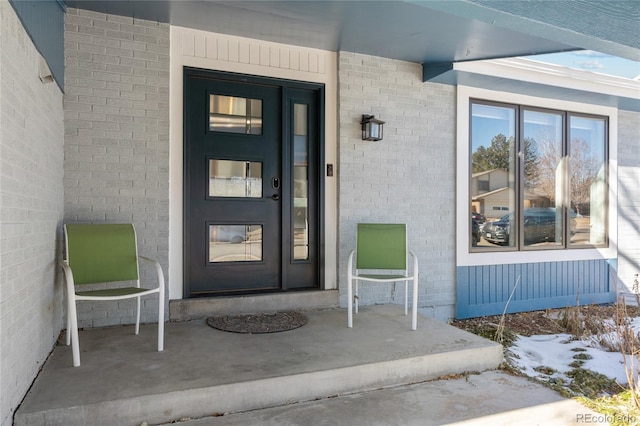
[
  {"x": 406, "y": 296},
  {"x": 349, "y": 303},
  {"x": 355, "y": 296},
  {"x": 414, "y": 319},
  {"x": 161, "y": 321},
  {"x": 68, "y": 326},
  {"x": 137, "y": 315},
  {"x": 72, "y": 332}
]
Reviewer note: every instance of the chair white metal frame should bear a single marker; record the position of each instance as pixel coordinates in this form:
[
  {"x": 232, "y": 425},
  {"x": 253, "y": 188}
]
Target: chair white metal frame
[
  {"x": 382, "y": 248},
  {"x": 105, "y": 253}
]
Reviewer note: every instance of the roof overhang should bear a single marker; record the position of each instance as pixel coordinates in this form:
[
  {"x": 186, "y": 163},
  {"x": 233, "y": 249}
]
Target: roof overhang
[
  {"x": 454, "y": 40},
  {"x": 429, "y": 32},
  {"x": 530, "y": 77}
]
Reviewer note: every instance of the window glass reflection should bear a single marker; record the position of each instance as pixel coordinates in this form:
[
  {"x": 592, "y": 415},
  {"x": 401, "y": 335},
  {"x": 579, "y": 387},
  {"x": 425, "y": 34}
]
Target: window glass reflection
[
  {"x": 300, "y": 183},
  {"x": 232, "y": 114},
  {"x": 229, "y": 178},
  {"x": 543, "y": 178},
  {"x": 493, "y": 156},
  {"x": 587, "y": 180},
  {"x": 235, "y": 243}
]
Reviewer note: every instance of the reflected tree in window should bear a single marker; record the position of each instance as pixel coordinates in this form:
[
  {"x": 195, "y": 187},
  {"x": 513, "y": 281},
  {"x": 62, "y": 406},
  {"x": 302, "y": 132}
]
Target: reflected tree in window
[
  {"x": 495, "y": 156},
  {"x": 531, "y": 163},
  {"x": 550, "y": 158},
  {"x": 583, "y": 171},
  {"x": 498, "y": 156},
  {"x": 588, "y": 179}
]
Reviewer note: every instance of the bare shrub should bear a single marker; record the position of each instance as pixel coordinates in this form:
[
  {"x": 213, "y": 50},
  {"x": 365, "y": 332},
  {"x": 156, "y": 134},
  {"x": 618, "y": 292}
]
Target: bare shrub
[{"x": 629, "y": 346}]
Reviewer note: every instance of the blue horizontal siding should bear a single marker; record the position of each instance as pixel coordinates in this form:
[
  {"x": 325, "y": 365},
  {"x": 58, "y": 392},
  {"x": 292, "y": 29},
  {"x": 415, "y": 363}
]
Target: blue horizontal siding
[{"x": 485, "y": 290}]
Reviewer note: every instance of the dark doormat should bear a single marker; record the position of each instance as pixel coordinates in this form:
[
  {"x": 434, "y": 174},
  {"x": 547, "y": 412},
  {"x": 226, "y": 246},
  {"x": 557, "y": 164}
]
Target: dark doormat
[{"x": 258, "y": 323}]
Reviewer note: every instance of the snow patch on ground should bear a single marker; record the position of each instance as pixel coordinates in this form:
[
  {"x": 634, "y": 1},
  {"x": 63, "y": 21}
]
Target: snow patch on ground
[{"x": 558, "y": 351}]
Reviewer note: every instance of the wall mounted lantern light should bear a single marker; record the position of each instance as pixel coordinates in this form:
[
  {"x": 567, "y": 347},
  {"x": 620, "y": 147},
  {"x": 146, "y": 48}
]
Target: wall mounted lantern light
[{"x": 371, "y": 128}]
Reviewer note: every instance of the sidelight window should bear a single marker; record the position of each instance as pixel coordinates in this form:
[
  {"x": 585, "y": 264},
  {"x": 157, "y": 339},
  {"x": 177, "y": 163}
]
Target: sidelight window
[{"x": 300, "y": 182}]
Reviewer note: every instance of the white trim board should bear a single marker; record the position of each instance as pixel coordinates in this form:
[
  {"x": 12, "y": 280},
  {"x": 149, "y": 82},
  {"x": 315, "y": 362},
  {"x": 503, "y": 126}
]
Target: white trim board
[
  {"x": 463, "y": 256},
  {"x": 219, "y": 52}
]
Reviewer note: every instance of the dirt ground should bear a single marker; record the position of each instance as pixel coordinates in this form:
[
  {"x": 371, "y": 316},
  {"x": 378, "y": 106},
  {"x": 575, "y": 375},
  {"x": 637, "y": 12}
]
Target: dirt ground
[{"x": 550, "y": 321}]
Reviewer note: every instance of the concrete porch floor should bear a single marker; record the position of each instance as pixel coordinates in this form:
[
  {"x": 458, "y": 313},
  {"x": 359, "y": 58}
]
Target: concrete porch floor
[{"x": 204, "y": 371}]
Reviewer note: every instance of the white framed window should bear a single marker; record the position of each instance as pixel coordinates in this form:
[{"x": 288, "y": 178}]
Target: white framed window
[
  {"x": 550, "y": 169},
  {"x": 538, "y": 175}
]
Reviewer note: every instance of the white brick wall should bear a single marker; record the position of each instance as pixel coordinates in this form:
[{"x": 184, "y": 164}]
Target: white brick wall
[
  {"x": 31, "y": 200},
  {"x": 117, "y": 138},
  {"x": 408, "y": 177},
  {"x": 628, "y": 196}
]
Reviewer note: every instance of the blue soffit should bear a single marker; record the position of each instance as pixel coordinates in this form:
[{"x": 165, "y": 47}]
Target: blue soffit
[
  {"x": 428, "y": 31},
  {"x": 44, "y": 22}
]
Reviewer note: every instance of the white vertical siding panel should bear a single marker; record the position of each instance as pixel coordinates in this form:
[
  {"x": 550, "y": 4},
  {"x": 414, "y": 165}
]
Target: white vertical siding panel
[
  {"x": 304, "y": 61},
  {"x": 188, "y": 44},
  {"x": 254, "y": 54},
  {"x": 264, "y": 55},
  {"x": 285, "y": 58},
  {"x": 200, "y": 50},
  {"x": 234, "y": 49},
  {"x": 223, "y": 49},
  {"x": 313, "y": 62},
  {"x": 212, "y": 47},
  {"x": 244, "y": 52},
  {"x": 274, "y": 57},
  {"x": 322, "y": 64},
  {"x": 294, "y": 60}
]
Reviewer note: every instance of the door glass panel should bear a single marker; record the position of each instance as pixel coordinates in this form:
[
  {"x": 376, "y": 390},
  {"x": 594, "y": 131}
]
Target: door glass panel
[
  {"x": 300, "y": 183},
  {"x": 235, "y": 243},
  {"x": 229, "y": 178},
  {"x": 544, "y": 183},
  {"x": 233, "y": 114}
]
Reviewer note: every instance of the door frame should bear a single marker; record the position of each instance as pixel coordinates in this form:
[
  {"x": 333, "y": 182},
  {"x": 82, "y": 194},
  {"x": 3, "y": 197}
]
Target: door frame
[
  {"x": 196, "y": 48},
  {"x": 285, "y": 85}
]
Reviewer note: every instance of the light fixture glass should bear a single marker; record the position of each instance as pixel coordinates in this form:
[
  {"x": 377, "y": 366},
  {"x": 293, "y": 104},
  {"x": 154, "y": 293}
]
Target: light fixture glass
[{"x": 371, "y": 128}]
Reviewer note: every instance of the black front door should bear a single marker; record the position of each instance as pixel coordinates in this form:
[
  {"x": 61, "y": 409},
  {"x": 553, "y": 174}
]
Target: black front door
[{"x": 251, "y": 198}]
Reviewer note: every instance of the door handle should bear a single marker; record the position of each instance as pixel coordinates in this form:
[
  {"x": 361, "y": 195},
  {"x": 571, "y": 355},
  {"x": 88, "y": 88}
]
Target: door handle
[{"x": 275, "y": 197}]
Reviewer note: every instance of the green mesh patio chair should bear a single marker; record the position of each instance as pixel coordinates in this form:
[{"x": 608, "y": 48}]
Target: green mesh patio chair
[
  {"x": 105, "y": 253},
  {"x": 382, "y": 255}
]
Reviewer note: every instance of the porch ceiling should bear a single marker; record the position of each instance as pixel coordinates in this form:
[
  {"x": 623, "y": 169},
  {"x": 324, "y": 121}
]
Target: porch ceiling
[{"x": 423, "y": 31}]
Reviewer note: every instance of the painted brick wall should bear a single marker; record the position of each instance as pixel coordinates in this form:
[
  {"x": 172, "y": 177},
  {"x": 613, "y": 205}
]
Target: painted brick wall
[
  {"x": 408, "y": 177},
  {"x": 31, "y": 200},
  {"x": 116, "y": 111},
  {"x": 628, "y": 196}
]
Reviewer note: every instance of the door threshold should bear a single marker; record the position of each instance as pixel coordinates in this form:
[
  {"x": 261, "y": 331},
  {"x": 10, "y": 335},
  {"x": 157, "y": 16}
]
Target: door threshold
[{"x": 202, "y": 307}]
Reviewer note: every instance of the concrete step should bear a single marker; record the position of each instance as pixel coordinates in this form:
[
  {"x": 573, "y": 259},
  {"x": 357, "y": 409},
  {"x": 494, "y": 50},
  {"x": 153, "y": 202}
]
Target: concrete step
[
  {"x": 488, "y": 398},
  {"x": 204, "y": 371}
]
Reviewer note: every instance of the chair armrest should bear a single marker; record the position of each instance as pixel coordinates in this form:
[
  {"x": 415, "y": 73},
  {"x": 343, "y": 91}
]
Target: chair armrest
[
  {"x": 415, "y": 263},
  {"x": 68, "y": 276},
  {"x": 158, "y": 271},
  {"x": 350, "y": 262}
]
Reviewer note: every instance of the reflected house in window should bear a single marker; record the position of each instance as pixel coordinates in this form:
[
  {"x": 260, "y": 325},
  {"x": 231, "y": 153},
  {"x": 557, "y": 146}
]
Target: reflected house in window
[{"x": 490, "y": 194}]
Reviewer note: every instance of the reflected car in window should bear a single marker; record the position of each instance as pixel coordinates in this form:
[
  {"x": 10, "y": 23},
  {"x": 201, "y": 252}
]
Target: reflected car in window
[
  {"x": 479, "y": 217},
  {"x": 476, "y": 233},
  {"x": 539, "y": 226}
]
